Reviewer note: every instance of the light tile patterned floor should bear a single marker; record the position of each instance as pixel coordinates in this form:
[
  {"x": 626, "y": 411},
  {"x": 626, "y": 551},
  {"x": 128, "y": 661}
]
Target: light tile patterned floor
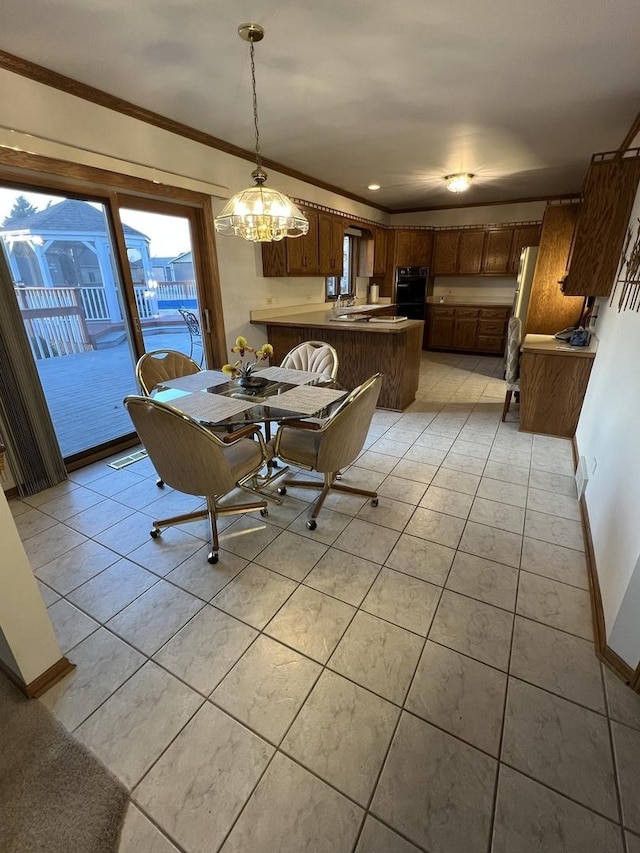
[{"x": 415, "y": 677}]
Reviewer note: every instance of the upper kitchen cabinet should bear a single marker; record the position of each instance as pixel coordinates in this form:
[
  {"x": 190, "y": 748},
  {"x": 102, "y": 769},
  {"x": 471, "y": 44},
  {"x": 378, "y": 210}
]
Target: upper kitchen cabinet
[
  {"x": 470, "y": 252},
  {"x": 379, "y": 251},
  {"x": 609, "y": 191},
  {"x": 497, "y": 253},
  {"x": 523, "y": 236},
  {"x": 413, "y": 247},
  {"x": 445, "y": 252},
  {"x": 330, "y": 242},
  {"x": 319, "y": 252}
]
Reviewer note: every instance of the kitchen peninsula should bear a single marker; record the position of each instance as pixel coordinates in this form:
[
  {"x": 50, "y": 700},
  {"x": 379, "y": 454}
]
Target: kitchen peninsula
[{"x": 364, "y": 347}]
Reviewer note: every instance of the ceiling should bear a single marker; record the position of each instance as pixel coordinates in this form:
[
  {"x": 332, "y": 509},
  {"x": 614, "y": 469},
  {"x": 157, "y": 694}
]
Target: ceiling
[{"x": 353, "y": 92}]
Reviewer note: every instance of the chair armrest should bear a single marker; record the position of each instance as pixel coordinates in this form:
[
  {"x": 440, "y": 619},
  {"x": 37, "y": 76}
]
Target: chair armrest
[
  {"x": 243, "y": 432},
  {"x": 313, "y": 425}
]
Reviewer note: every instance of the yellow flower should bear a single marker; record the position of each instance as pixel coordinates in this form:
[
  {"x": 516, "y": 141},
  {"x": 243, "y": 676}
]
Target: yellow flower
[
  {"x": 267, "y": 349},
  {"x": 228, "y": 368},
  {"x": 241, "y": 342}
]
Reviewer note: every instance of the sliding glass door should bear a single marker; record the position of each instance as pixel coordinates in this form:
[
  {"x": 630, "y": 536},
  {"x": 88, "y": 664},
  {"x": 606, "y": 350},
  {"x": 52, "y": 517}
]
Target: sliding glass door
[{"x": 99, "y": 280}]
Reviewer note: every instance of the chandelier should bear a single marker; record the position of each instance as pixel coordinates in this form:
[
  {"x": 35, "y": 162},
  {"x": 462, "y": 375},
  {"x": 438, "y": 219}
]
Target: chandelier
[{"x": 259, "y": 214}]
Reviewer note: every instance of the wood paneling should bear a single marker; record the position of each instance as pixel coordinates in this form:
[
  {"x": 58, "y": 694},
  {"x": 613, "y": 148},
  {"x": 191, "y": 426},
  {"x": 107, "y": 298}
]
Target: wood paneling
[
  {"x": 552, "y": 389},
  {"x": 395, "y": 355},
  {"x": 609, "y": 192},
  {"x": 550, "y": 310},
  {"x": 470, "y": 252},
  {"x": 498, "y": 251}
]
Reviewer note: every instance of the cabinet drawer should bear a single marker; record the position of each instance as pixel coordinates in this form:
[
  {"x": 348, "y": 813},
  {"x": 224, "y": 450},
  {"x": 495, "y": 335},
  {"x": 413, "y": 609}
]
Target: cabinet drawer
[
  {"x": 491, "y": 343},
  {"x": 490, "y": 327},
  {"x": 494, "y": 313},
  {"x": 437, "y": 311},
  {"x": 467, "y": 312}
]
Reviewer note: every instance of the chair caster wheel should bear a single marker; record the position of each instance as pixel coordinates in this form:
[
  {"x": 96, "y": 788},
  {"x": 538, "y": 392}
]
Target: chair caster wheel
[
  {"x": 275, "y": 463},
  {"x": 212, "y": 558},
  {"x": 154, "y": 533},
  {"x": 312, "y": 524},
  {"x": 264, "y": 512},
  {"x": 374, "y": 501},
  {"x": 282, "y": 490},
  {"x": 160, "y": 483}
]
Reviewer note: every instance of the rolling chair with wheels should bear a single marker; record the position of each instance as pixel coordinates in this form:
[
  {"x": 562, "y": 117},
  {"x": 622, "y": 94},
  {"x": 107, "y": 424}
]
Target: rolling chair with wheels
[
  {"x": 195, "y": 461},
  {"x": 314, "y": 356},
  {"x": 161, "y": 364},
  {"x": 329, "y": 446}
]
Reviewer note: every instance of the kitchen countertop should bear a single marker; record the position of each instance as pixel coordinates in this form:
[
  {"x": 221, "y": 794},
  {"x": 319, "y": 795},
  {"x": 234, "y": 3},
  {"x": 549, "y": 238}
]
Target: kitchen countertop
[
  {"x": 322, "y": 320},
  {"x": 548, "y": 345},
  {"x": 471, "y": 303}
]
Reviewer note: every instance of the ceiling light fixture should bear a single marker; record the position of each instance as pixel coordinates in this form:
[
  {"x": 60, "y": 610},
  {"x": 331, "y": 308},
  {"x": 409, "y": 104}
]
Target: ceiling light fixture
[
  {"x": 373, "y": 187},
  {"x": 458, "y": 183},
  {"x": 259, "y": 214}
]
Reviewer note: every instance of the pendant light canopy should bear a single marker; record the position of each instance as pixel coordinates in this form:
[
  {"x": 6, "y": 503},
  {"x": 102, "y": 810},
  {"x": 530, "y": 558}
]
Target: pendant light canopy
[{"x": 259, "y": 214}]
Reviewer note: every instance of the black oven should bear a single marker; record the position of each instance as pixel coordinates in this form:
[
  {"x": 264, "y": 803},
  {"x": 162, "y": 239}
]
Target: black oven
[{"x": 411, "y": 291}]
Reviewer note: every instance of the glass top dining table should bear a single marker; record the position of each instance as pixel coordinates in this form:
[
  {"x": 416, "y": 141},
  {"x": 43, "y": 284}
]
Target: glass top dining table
[{"x": 213, "y": 399}]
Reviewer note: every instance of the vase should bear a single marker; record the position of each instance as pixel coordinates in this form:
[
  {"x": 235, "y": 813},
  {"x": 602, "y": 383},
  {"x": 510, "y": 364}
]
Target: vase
[{"x": 252, "y": 381}]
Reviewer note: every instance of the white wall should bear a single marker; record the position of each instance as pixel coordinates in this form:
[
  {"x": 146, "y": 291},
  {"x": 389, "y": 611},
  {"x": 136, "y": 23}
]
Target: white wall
[
  {"x": 499, "y": 289},
  {"x": 608, "y": 436}
]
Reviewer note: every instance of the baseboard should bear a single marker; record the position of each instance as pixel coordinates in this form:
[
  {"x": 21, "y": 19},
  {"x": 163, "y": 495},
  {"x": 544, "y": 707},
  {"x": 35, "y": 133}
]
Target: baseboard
[
  {"x": 43, "y": 682},
  {"x": 604, "y": 652}
]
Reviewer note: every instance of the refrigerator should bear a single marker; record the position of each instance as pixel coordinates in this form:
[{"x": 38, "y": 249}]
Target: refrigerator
[{"x": 524, "y": 283}]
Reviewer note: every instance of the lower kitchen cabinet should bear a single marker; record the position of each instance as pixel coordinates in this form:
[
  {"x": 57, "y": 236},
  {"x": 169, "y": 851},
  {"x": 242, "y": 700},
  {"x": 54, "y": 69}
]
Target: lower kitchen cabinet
[{"x": 467, "y": 328}]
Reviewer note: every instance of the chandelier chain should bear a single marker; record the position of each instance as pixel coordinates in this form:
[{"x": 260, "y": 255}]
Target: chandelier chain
[{"x": 255, "y": 105}]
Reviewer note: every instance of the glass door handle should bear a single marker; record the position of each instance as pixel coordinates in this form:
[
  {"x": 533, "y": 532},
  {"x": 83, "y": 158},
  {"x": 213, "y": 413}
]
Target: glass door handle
[{"x": 206, "y": 316}]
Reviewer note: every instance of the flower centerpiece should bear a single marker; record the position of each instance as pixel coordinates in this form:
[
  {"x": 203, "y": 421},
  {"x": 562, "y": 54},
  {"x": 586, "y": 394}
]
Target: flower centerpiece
[{"x": 243, "y": 368}]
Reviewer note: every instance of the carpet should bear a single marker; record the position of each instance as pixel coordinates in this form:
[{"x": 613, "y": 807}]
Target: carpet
[{"x": 55, "y": 796}]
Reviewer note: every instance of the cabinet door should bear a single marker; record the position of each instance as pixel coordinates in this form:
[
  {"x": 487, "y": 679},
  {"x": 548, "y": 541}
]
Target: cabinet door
[
  {"x": 404, "y": 249},
  {"x": 470, "y": 252},
  {"x": 445, "y": 252},
  {"x": 440, "y": 328},
  {"x": 421, "y": 248},
  {"x": 379, "y": 251},
  {"x": 330, "y": 236},
  {"x": 465, "y": 332},
  {"x": 302, "y": 252},
  {"x": 498, "y": 251},
  {"x": 337, "y": 241},
  {"x": 609, "y": 192},
  {"x": 526, "y": 235}
]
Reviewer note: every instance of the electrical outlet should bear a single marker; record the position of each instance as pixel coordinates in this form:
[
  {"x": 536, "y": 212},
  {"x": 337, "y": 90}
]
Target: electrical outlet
[{"x": 269, "y": 300}]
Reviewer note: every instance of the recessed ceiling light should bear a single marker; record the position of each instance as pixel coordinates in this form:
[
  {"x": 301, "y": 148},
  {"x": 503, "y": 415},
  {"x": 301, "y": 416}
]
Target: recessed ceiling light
[
  {"x": 458, "y": 183},
  {"x": 373, "y": 187}
]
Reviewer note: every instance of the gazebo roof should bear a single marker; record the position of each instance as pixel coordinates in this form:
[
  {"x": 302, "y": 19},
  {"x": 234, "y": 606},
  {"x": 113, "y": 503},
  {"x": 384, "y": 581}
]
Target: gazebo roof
[{"x": 69, "y": 216}]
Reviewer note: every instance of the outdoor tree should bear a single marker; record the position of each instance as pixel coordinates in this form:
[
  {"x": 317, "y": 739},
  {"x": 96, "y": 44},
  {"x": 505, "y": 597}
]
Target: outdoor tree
[{"x": 21, "y": 209}]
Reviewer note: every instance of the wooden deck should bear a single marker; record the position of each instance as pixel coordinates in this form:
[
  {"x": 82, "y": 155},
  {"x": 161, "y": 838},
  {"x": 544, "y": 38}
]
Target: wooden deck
[{"x": 85, "y": 391}]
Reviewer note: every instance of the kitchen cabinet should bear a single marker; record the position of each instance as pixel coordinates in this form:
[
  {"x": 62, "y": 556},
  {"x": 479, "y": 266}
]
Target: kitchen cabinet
[
  {"x": 468, "y": 328},
  {"x": 317, "y": 253},
  {"x": 330, "y": 244},
  {"x": 549, "y": 309},
  {"x": 470, "y": 252},
  {"x": 445, "y": 252},
  {"x": 379, "y": 251},
  {"x": 497, "y": 251},
  {"x": 523, "y": 236},
  {"x": 413, "y": 247},
  {"x": 608, "y": 195}
]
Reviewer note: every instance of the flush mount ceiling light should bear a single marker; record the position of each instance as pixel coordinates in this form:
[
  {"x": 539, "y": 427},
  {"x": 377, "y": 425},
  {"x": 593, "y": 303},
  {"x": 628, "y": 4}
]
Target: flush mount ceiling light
[
  {"x": 458, "y": 183},
  {"x": 259, "y": 214},
  {"x": 373, "y": 187}
]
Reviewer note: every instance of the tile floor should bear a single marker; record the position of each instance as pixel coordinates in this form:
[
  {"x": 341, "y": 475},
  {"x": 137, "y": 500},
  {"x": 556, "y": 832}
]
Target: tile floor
[{"x": 415, "y": 677}]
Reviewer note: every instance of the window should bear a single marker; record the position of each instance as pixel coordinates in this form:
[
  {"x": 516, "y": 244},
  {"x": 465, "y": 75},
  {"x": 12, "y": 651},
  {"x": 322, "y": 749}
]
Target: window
[{"x": 346, "y": 284}]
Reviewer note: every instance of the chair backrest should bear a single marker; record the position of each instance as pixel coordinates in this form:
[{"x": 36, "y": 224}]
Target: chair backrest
[
  {"x": 514, "y": 339},
  {"x": 315, "y": 356},
  {"x": 344, "y": 433},
  {"x": 192, "y": 322},
  {"x": 154, "y": 367},
  {"x": 186, "y": 456}
]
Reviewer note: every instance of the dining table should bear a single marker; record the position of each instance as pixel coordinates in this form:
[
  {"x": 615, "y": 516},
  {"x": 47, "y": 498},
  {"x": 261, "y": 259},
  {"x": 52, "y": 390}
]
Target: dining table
[{"x": 280, "y": 395}]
